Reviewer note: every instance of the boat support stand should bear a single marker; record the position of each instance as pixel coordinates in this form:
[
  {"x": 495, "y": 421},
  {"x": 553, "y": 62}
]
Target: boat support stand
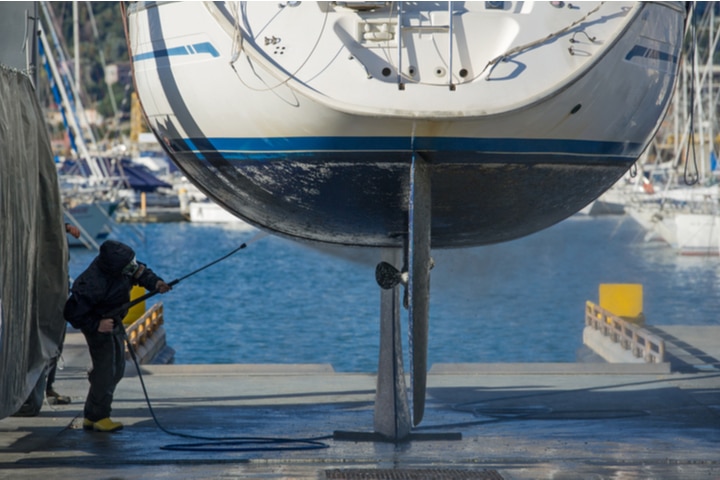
[{"x": 393, "y": 421}]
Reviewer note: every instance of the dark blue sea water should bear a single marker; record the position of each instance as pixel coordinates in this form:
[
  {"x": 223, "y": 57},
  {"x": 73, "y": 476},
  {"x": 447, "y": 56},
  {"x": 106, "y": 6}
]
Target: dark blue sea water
[{"x": 278, "y": 301}]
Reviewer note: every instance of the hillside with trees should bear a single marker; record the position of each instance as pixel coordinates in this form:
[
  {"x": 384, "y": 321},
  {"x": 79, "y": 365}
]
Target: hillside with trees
[{"x": 104, "y": 68}]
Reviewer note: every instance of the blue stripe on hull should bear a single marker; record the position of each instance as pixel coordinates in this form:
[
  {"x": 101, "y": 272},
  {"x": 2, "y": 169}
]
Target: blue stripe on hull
[
  {"x": 183, "y": 50},
  {"x": 561, "y": 151}
]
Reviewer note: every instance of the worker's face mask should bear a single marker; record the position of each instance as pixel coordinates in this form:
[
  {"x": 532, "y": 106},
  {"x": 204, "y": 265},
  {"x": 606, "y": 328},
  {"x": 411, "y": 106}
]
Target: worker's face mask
[{"x": 131, "y": 268}]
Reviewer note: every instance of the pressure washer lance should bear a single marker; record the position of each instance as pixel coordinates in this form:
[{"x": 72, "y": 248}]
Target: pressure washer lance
[
  {"x": 142, "y": 298},
  {"x": 172, "y": 283}
]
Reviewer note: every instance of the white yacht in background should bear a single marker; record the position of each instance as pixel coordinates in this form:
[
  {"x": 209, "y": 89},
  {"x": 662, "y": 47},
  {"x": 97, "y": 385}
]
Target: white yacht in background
[
  {"x": 207, "y": 211},
  {"x": 680, "y": 201},
  {"x": 686, "y": 218}
]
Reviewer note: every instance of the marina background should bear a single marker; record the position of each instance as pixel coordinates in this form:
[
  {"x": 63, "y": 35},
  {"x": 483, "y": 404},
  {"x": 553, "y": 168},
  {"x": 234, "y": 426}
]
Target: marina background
[{"x": 279, "y": 301}]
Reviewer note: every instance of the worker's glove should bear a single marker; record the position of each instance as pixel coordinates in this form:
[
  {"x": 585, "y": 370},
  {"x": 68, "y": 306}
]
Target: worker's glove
[{"x": 162, "y": 287}]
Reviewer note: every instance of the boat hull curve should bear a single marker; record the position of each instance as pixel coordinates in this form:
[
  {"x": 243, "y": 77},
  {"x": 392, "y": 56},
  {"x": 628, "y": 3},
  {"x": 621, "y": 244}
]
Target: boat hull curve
[{"x": 292, "y": 152}]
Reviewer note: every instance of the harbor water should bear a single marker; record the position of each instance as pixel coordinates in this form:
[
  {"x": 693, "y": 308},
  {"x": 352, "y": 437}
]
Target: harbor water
[{"x": 279, "y": 301}]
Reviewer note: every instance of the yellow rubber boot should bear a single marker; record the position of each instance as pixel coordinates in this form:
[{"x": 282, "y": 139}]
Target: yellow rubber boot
[
  {"x": 107, "y": 425},
  {"x": 88, "y": 424}
]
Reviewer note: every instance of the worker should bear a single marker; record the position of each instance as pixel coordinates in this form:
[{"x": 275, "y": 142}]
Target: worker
[{"x": 97, "y": 304}]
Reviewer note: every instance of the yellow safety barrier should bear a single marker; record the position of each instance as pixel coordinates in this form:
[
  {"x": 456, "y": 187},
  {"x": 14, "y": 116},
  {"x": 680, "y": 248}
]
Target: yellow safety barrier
[
  {"x": 639, "y": 341},
  {"x": 624, "y": 300},
  {"x": 144, "y": 327},
  {"x": 136, "y": 311}
]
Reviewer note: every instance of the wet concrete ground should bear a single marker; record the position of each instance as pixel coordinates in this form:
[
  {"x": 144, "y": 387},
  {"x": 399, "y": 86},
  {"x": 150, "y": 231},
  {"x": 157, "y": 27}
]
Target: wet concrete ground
[{"x": 522, "y": 421}]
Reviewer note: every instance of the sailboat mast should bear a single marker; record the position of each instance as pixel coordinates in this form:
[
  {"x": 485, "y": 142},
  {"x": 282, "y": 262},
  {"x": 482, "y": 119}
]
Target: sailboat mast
[{"x": 76, "y": 49}]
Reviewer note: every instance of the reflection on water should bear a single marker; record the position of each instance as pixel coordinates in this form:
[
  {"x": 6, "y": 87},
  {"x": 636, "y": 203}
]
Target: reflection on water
[{"x": 522, "y": 301}]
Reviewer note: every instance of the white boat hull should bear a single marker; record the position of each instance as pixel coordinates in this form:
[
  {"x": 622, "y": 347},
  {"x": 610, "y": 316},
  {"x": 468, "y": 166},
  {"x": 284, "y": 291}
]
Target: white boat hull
[
  {"x": 209, "y": 212},
  {"x": 697, "y": 233},
  {"x": 687, "y": 233},
  {"x": 297, "y": 119},
  {"x": 685, "y": 218}
]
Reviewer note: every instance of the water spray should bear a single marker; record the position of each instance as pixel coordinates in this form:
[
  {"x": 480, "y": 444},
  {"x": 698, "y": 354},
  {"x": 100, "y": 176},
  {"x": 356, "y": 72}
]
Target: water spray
[{"x": 258, "y": 236}]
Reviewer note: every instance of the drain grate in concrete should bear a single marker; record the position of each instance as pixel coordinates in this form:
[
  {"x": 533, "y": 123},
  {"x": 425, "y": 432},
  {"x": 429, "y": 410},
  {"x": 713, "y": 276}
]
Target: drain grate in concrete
[{"x": 411, "y": 474}]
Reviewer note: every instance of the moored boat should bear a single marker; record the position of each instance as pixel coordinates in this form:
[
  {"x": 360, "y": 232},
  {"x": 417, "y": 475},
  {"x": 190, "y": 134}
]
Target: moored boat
[
  {"x": 93, "y": 218},
  {"x": 207, "y": 211}
]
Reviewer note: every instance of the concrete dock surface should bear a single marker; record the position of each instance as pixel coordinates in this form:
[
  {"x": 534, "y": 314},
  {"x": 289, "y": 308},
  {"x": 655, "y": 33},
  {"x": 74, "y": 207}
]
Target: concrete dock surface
[{"x": 482, "y": 421}]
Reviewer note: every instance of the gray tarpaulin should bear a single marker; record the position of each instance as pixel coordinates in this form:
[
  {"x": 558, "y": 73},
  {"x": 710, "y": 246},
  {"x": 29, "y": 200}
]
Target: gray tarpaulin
[{"x": 33, "y": 250}]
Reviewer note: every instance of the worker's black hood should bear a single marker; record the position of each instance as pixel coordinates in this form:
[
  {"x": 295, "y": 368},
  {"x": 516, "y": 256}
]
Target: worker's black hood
[{"x": 114, "y": 256}]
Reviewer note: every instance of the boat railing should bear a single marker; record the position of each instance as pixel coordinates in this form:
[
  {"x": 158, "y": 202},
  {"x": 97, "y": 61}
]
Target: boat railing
[
  {"x": 640, "y": 342},
  {"x": 142, "y": 331},
  {"x": 85, "y": 238},
  {"x": 425, "y": 28}
]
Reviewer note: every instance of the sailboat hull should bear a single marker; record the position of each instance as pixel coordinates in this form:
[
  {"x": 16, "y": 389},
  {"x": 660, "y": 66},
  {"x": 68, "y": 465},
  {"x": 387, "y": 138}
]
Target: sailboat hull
[{"x": 295, "y": 122}]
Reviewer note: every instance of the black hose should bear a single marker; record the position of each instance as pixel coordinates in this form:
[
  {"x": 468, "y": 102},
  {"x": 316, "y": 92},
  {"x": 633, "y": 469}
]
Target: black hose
[
  {"x": 227, "y": 444},
  {"x": 216, "y": 444}
]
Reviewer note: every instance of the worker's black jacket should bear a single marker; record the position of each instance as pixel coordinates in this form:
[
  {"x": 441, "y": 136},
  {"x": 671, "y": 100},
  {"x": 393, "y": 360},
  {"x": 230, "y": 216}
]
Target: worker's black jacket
[{"x": 102, "y": 287}]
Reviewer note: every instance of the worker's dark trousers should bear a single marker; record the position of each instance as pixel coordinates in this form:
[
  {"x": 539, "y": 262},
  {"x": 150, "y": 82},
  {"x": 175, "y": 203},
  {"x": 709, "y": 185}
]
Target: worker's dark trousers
[
  {"x": 52, "y": 364},
  {"x": 108, "y": 359}
]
